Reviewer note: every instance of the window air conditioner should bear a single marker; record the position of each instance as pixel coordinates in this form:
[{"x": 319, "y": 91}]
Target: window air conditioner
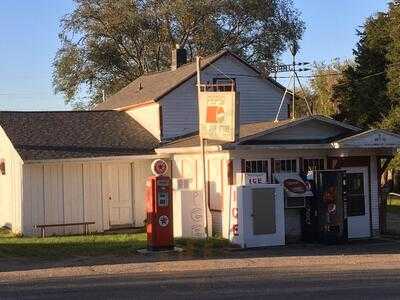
[{"x": 295, "y": 202}]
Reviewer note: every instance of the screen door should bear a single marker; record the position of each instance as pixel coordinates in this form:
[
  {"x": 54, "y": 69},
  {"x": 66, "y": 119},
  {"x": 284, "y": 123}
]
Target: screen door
[{"x": 358, "y": 218}]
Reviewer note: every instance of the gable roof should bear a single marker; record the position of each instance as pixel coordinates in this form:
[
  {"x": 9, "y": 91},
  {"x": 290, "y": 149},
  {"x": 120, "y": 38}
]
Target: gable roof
[
  {"x": 153, "y": 86},
  {"x": 299, "y": 121},
  {"x": 75, "y": 134},
  {"x": 374, "y": 138},
  {"x": 251, "y": 131}
]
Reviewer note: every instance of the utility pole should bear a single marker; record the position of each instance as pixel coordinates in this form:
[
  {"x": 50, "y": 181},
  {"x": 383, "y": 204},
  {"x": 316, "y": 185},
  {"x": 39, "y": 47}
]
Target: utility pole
[
  {"x": 294, "y": 85},
  {"x": 294, "y": 50},
  {"x": 203, "y": 151}
]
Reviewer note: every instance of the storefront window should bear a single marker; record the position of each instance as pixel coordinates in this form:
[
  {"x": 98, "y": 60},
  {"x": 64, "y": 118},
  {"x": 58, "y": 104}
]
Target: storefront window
[
  {"x": 355, "y": 194},
  {"x": 313, "y": 164},
  {"x": 257, "y": 166},
  {"x": 285, "y": 166}
]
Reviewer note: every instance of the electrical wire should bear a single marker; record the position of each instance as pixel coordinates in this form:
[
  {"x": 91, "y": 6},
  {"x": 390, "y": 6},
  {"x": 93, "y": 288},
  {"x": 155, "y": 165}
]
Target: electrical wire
[
  {"x": 227, "y": 75},
  {"x": 222, "y": 72}
]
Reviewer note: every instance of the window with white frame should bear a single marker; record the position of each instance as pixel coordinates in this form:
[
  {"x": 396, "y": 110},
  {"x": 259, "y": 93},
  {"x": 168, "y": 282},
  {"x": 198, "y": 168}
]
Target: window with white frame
[
  {"x": 257, "y": 166},
  {"x": 285, "y": 165},
  {"x": 312, "y": 164},
  {"x": 224, "y": 84}
]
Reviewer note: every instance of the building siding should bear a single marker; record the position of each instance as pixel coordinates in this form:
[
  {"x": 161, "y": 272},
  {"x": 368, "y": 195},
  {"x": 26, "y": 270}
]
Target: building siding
[
  {"x": 10, "y": 185},
  {"x": 259, "y": 98},
  {"x": 53, "y": 197},
  {"x": 69, "y": 192},
  {"x": 149, "y": 117},
  {"x": 188, "y": 167}
]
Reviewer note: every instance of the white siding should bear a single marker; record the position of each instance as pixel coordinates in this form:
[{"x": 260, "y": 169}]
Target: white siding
[
  {"x": 93, "y": 204},
  {"x": 259, "y": 98},
  {"x": 53, "y": 197},
  {"x": 141, "y": 171},
  {"x": 215, "y": 180},
  {"x": 188, "y": 166},
  {"x": 10, "y": 185},
  {"x": 69, "y": 192},
  {"x": 148, "y": 116},
  {"x": 33, "y": 199},
  {"x": 73, "y": 196}
]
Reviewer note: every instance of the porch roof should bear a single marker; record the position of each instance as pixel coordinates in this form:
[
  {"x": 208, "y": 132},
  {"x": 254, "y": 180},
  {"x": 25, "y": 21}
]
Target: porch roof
[{"x": 282, "y": 135}]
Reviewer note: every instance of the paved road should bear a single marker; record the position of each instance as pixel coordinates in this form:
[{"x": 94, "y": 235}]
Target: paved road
[{"x": 247, "y": 283}]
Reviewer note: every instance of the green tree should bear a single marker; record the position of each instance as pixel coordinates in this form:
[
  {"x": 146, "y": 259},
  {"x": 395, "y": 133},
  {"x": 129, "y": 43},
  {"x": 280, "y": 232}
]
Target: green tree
[
  {"x": 362, "y": 92},
  {"x": 302, "y": 94},
  {"x": 105, "y": 44},
  {"x": 325, "y": 77},
  {"x": 393, "y": 55},
  {"x": 319, "y": 91}
]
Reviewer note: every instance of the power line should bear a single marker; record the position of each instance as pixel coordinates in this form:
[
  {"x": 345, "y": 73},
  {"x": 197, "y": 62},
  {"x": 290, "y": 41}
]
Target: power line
[
  {"x": 311, "y": 76},
  {"x": 306, "y": 76},
  {"x": 225, "y": 74}
]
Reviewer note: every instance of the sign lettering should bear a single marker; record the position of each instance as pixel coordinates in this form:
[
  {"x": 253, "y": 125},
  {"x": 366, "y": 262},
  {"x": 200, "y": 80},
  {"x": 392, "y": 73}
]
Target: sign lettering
[
  {"x": 255, "y": 178},
  {"x": 217, "y": 116}
]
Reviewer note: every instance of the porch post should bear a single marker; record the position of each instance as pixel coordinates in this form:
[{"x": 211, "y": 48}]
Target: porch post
[{"x": 382, "y": 195}]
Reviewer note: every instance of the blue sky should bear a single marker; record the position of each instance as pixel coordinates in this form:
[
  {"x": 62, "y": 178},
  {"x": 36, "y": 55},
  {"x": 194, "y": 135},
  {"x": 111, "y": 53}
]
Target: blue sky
[{"x": 29, "y": 29}]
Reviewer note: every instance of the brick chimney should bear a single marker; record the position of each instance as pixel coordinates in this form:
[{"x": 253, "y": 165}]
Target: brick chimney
[{"x": 179, "y": 57}]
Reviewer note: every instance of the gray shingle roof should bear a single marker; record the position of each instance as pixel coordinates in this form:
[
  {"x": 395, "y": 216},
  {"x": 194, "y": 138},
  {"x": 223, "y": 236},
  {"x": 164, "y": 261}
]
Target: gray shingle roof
[
  {"x": 246, "y": 130},
  {"x": 75, "y": 134},
  {"x": 153, "y": 86}
]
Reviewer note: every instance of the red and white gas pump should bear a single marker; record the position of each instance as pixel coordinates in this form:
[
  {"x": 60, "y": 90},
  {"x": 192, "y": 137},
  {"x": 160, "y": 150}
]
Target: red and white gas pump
[{"x": 160, "y": 234}]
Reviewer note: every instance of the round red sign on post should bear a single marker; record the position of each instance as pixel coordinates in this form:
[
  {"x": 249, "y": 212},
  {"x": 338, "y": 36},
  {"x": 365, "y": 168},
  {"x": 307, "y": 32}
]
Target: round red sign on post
[
  {"x": 295, "y": 186},
  {"x": 159, "y": 167}
]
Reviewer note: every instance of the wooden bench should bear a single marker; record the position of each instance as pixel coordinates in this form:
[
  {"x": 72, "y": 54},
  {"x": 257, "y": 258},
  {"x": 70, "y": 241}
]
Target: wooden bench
[{"x": 43, "y": 227}]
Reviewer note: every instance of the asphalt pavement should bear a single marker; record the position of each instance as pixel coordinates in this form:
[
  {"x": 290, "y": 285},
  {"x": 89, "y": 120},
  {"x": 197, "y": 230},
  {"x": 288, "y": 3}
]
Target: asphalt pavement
[{"x": 252, "y": 283}]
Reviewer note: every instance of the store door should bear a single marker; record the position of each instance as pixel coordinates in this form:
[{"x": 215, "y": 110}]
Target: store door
[
  {"x": 358, "y": 217},
  {"x": 118, "y": 192}
]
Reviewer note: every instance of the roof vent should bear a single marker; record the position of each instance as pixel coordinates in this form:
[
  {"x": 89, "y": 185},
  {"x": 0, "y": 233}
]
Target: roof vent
[{"x": 179, "y": 57}]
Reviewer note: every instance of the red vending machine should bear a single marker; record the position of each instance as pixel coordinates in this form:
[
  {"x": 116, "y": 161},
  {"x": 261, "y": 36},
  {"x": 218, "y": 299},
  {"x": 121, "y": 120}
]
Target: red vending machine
[{"x": 160, "y": 235}]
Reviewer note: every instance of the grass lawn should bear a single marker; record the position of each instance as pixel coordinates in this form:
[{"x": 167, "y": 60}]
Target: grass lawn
[
  {"x": 393, "y": 204},
  {"x": 95, "y": 245},
  {"x": 64, "y": 246}
]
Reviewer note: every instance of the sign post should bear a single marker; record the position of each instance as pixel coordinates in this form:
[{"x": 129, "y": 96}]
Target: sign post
[{"x": 203, "y": 153}]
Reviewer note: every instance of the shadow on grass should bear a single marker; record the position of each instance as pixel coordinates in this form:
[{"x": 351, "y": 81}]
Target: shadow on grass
[
  {"x": 17, "y": 254},
  {"x": 25, "y": 253}
]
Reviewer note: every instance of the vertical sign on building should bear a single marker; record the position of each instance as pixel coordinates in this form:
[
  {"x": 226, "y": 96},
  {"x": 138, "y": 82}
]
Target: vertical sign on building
[{"x": 218, "y": 115}]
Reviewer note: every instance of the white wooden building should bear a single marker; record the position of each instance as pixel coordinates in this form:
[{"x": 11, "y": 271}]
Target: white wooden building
[
  {"x": 68, "y": 167},
  {"x": 65, "y": 167},
  {"x": 73, "y": 167}
]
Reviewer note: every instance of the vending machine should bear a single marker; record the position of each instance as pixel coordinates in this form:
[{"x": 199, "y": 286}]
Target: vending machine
[
  {"x": 325, "y": 214},
  {"x": 159, "y": 213}
]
